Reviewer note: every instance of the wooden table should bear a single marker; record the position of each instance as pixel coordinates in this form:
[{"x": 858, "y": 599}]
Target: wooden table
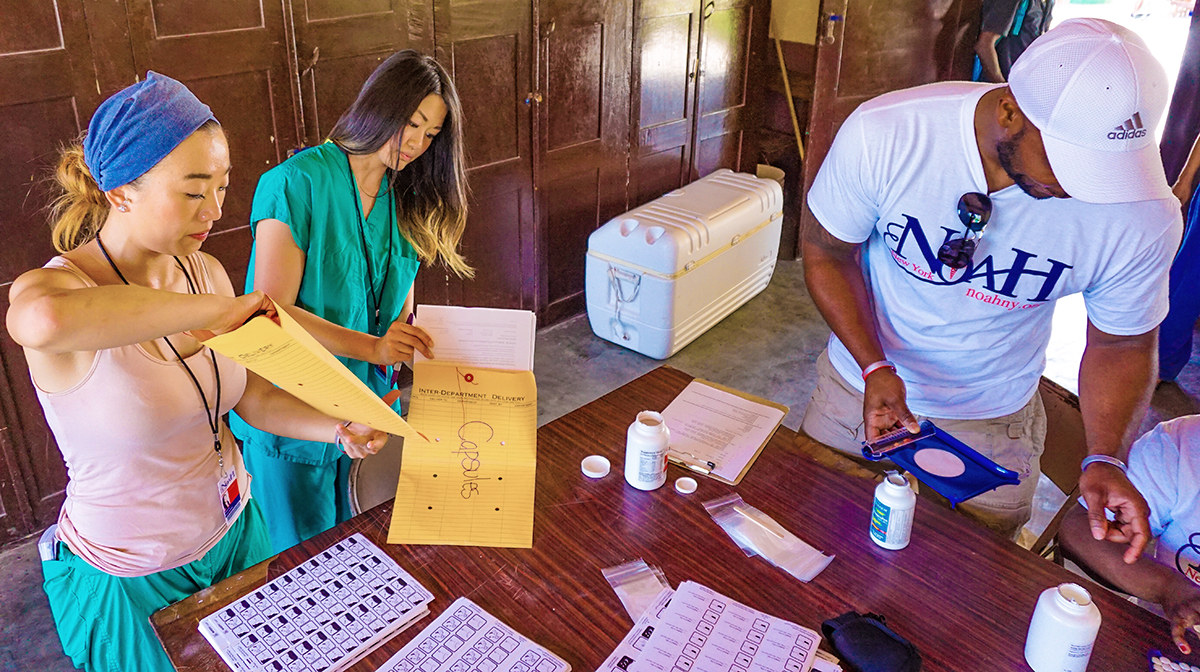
[{"x": 959, "y": 592}]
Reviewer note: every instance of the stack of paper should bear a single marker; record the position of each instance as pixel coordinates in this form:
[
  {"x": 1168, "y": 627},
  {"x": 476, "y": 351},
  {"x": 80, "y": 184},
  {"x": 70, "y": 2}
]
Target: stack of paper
[
  {"x": 719, "y": 431},
  {"x": 490, "y": 338},
  {"x": 465, "y": 637},
  {"x": 701, "y": 630},
  {"x": 323, "y": 615}
]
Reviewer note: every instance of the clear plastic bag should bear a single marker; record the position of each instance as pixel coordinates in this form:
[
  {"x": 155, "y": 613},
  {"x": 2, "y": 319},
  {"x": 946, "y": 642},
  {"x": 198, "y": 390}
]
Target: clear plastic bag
[
  {"x": 636, "y": 584},
  {"x": 756, "y": 533}
]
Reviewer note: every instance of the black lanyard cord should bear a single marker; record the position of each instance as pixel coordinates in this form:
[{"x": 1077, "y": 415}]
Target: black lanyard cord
[
  {"x": 214, "y": 416},
  {"x": 362, "y": 232}
]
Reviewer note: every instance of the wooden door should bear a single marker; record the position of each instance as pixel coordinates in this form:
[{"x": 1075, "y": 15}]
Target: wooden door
[
  {"x": 869, "y": 48},
  {"x": 487, "y": 46},
  {"x": 235, "y": 60},
  {"x": 732, "y": 40},
  {"x": 582, "y": 138},
  {"x": 665, "y": 43},
  {"x": 50, "y": 88},
  {"x": 339, "y": 43}
]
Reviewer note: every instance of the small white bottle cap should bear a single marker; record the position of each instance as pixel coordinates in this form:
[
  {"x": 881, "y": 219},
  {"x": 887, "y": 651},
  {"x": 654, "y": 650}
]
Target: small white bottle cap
[
  {"x": 685, "y": 485},
  {"x": 595, "y": 466}
]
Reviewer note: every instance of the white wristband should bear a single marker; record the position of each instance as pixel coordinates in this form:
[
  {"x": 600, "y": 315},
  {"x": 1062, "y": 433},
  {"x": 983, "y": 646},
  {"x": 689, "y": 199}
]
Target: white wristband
[
  {"x": 872, "y": 368},
  {"x": 1106, "y": 459}
]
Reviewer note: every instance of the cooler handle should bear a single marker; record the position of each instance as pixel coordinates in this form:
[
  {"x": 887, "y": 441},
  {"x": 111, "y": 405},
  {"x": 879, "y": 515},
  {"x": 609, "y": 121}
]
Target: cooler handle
[{"x": 615, "y": 276}]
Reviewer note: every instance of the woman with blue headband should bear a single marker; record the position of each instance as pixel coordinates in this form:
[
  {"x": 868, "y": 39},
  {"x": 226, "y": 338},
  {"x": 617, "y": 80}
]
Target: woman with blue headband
[
  {"x": 339, "y": 231},
  {"x": 158, "y": 503}
]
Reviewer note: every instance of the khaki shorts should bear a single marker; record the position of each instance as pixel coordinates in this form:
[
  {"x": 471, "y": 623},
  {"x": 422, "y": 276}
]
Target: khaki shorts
[{"x": 834, "y": 417}]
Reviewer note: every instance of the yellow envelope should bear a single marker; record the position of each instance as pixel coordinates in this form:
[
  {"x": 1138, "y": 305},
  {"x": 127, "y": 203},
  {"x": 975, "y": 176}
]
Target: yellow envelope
[
  {"x": 290, "y": 358},
  {"x": 472, "y": 484}
]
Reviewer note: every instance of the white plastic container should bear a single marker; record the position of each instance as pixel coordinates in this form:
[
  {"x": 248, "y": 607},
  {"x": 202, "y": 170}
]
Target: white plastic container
[
  {"x": 892, "y": 514},
  {"x": 1063, "y": 630},
  {"x": 662, "y": 274},
  {"x": 646, "y": 447}
]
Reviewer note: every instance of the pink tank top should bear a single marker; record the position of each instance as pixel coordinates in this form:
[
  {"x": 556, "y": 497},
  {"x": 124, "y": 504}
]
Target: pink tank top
[{"x": 142, "y": 492}]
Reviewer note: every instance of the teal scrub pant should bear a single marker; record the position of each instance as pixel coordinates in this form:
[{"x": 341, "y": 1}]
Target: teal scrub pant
[
  {"x": 299, "y": 500},
  {"x": 103, "y": 621}
]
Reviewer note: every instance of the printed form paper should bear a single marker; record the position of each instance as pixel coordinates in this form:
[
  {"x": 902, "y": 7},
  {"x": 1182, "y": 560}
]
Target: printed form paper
[
  {"x": 627, "y": 652},
  {"x": 491, "y": 338},
  {"x": 709, "y": 424},
  {"x": 290, "y": 358},
  {"x": 704, "y": 631},
  {"x": 472, "y": 484}
]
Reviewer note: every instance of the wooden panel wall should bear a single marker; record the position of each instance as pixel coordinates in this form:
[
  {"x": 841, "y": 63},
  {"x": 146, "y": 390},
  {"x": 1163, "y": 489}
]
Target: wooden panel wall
[{"x": 49, "y": 91}]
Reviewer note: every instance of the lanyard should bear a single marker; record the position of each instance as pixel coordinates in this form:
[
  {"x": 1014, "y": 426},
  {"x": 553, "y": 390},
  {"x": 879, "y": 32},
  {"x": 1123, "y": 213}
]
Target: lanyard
[
  {"x": 377, "y": 299},
  {"x": 214, "y": 416}
]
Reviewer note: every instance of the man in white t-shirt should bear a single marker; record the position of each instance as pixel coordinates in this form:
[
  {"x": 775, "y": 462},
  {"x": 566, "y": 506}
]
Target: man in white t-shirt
[
  {"x": 1060, "y": 171},
  {"x": 1165, "y": 466}
]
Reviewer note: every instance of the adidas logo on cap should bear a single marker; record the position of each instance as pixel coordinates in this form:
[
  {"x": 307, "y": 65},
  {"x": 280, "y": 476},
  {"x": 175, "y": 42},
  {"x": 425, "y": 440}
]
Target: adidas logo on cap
[{"x": 1132, "y": 128}]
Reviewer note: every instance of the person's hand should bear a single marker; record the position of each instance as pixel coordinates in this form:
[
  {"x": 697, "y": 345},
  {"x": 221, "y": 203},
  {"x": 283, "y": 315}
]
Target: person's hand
[
  {"x": 885, "y": 408},
  {"x": 398, "y": 344},
  {"x": 358, "y": 440},
  {"x": 1104, "y": 486},
  {"x": 1183, "y": 189},
  {"x": 237, "y": 312},
  {"x": 1182, "y": 606}
]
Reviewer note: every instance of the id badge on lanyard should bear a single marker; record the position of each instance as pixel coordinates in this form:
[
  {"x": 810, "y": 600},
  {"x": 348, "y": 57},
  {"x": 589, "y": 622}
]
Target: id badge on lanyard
[{"x": 229, "y": 491}]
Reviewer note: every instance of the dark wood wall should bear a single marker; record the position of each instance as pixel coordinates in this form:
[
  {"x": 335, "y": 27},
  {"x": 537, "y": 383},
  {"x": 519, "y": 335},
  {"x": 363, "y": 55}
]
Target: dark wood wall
[{"x": 576, "y": 110}]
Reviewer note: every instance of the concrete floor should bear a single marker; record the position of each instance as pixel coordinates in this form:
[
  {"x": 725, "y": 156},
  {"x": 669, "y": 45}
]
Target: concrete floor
[{"x": 766, "y": 348}]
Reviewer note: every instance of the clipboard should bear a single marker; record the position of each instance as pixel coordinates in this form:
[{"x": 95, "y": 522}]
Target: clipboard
[{"x": 729, "y": 464}]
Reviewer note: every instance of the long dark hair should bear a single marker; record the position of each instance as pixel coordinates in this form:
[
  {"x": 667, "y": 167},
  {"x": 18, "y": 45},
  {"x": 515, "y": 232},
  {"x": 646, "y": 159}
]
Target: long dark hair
[{"x": 431, "y": 192}]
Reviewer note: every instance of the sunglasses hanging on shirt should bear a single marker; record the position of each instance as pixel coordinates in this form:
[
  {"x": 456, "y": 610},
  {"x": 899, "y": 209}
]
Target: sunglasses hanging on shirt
[{"x": 974, "y": 211}]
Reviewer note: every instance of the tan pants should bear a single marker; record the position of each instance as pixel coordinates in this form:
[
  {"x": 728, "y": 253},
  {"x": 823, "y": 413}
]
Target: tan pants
[{"x": 834, "y": 417}]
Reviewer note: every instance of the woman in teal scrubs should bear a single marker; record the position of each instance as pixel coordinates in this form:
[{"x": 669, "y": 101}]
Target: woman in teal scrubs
[{"x": 339, "y": 232}]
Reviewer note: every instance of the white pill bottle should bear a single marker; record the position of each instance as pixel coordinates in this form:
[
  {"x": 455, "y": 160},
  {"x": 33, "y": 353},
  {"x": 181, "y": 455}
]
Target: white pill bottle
[
  {"x": 646, "y": 447},
  {"x": 892, "y": 513},
  {"x": 1062, "y": 630}
]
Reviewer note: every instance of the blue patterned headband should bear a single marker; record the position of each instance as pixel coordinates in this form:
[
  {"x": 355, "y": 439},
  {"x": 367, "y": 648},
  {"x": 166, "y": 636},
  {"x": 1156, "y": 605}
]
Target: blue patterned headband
[{"x": 135, "y": 128}]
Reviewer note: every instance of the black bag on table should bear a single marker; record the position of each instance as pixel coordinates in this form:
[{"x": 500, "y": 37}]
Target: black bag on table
[{"x": 866, "y": 644}]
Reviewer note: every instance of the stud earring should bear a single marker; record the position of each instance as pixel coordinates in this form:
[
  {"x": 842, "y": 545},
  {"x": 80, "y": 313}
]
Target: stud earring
[{"x": 123, "y": 208}]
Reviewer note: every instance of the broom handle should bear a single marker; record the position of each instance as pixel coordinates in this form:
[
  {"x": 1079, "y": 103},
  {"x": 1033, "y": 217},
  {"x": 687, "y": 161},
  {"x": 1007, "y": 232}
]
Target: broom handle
[{"x": 787, "y": 90}]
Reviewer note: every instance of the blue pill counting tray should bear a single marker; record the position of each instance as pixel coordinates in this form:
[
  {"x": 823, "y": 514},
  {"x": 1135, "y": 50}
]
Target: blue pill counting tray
[{"x": 941, "y": 462}]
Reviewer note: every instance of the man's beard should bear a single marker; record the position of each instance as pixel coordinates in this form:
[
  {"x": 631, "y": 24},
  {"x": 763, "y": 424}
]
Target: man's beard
[{"x": 1007, "y": 151}]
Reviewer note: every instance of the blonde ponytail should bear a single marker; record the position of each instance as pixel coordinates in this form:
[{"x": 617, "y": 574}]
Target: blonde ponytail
[{"x": 80, "y": 210}]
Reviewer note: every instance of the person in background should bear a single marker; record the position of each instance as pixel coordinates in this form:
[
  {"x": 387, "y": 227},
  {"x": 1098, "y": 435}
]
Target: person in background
[
  {"x": 952, "y": 216},
  {"x": 339, "y": 232},
  {"x": 1008, "y": 27},
  {"x": 158, "y": 502},
  {"x": 1175, "y": 340},
  {"x": 1165, "y": 466}
]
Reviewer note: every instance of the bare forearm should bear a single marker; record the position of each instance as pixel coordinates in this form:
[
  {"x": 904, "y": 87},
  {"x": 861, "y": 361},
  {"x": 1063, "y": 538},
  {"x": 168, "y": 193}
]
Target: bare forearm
[
  {"x": 1116, "y": 379},
  {"x": 836, "y": 285},
  {"x": 1145, "y": 578},
  {"x": 335, "y": 338},
  {"x": 1188, "y": 174},
  {"x": 273, "y": 410},
  {"x": 98, "y": 318},
  {"x": 985, "y": 48}
]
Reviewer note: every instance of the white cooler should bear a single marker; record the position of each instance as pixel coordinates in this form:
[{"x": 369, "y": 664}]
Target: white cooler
[{"x": 660, "y": 275}]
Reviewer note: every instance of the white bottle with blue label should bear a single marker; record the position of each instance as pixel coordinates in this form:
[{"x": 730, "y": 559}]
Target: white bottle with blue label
[{"x": 892, "y": 514}]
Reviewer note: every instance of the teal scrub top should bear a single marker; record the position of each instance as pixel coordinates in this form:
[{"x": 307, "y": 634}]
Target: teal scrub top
[{"x": 314, "y": 194}]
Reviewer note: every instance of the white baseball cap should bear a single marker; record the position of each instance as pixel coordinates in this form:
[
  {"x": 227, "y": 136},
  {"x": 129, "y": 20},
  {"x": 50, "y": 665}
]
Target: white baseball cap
[{"x": 1097, "y": 95}]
